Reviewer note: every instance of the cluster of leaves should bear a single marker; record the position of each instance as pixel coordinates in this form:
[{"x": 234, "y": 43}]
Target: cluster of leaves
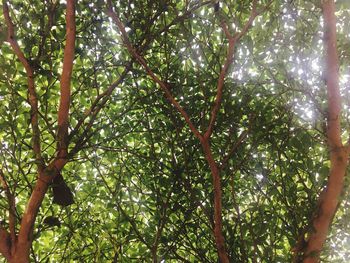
[{"x": 142, "y": 186}]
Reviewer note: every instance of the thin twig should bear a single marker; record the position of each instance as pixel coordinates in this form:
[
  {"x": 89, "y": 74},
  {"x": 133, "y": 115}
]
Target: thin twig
[
  {"x": 221, "y": 80},
  {"x": 100, "y": 101},
  {"x": 253, "y": 14},
  {"x": 239, "y": 141}
]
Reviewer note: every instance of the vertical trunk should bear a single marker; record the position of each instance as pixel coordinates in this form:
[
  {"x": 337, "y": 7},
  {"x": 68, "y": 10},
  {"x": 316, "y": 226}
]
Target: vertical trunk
[
  {"x": 328, "y": 206},
  {"x": 154, "y": 255},
  {"x": 218, "y": 235},
  {"x": 22, "y": 253},
  {"x": 338, "y": 153},
  {"x": 22, "y": 247}
]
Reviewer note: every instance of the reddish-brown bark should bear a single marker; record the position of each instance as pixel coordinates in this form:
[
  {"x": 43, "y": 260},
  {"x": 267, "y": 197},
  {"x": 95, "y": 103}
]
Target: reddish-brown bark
[
  {"x": 203, "y": 138},
  {"x": 63, "y": 112},
  {"x": 329, "y": 200},
  {"x": 228, "y": 61},
  {"x": 215, "y": 173},
  {"x": 5, "y": 244},
  {"x": 21, "y": 249},
  {"x": 17, "y": 249}
]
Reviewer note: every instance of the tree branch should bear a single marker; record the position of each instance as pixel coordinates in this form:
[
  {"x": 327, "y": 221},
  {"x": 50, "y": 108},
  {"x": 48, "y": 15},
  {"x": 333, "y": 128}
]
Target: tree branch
[
  {"x": 5, "y": 243},
  {"x": 221, "y": 80},
  {"x": 45, "y": 177},
  {"x": 228, "y": 61},
  {"x": 253, "y": 14},
  {"x": 25, "y": 235},
  {"x": 33, "y": 100},
  {"x": 63, "y": 112},
  {"x": 102, "y": 99},
  {"x": 239, "y": 141},
  {"x": 332, "y": 75},
  {"x": 215, "y": 173},
  {"x": 149, "y": 71},
  {"x": 99, "y": 102},
  {"x": 12, "y": 207}
]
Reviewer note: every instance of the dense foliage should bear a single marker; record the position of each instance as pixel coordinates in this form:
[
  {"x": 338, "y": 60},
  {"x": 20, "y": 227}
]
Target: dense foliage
[{"x": 142, "y": 187}]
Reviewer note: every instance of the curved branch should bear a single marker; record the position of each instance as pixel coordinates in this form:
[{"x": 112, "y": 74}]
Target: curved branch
[
  {"x": 220, "y": 84},
  {"x": 99, "y": 102},
  {"x": 329, "y": 200},
  {"x": 33, "y": 100},
  {"x": 149, "y": 71}
]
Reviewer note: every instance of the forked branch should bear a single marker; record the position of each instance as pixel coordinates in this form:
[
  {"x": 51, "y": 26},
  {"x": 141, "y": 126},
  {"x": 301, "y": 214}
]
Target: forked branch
[
  {"x": 232, "y": 40},
  {"x": 25, "y": 235},
  {"x": 149, "y": 71},
  {"x": 204, "y": 140}
]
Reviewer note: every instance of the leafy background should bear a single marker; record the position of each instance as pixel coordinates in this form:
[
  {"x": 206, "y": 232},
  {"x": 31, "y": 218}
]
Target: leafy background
[{"x": 141, "y": 184}]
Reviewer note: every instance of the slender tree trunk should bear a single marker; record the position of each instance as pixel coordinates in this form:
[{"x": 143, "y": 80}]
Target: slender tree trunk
[
  {"x": 218, "y": 235},
  {"x": 16, "y": 249},
  {"x": 154, "y": 255},
  {"x": 339, "y": 153}
]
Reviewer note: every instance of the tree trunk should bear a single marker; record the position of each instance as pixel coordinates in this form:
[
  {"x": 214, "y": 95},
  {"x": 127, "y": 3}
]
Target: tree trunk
[
  {"x": 21, "y": 254},
  {"x": 218, "y": 235},
  {"x": 339, "y": 153}
]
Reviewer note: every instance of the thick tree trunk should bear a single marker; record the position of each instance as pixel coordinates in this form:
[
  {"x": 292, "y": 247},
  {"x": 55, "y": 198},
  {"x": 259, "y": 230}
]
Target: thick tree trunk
[{"x": 22, "y": 253}]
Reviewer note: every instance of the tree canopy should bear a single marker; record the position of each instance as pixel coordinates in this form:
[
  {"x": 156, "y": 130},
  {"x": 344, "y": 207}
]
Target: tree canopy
[{"x": 174, "y": 131}]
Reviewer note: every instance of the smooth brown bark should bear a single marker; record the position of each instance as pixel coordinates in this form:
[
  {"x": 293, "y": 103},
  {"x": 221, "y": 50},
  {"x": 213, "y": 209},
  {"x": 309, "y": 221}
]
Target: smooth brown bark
[
  {"x": 19, "y": 251},
  {"x": 63, "y": 112},
  {"x": 5, "y": 244},
  {"x": 218, "y": 235},
  {"x": 203, "y": 138},
  {"x": 329, "y": 201},
  {"x": 25, "y": 235}
]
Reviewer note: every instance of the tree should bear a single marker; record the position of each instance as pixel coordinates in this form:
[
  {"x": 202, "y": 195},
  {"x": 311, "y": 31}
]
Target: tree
[{"x": 183, "y": 130}]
